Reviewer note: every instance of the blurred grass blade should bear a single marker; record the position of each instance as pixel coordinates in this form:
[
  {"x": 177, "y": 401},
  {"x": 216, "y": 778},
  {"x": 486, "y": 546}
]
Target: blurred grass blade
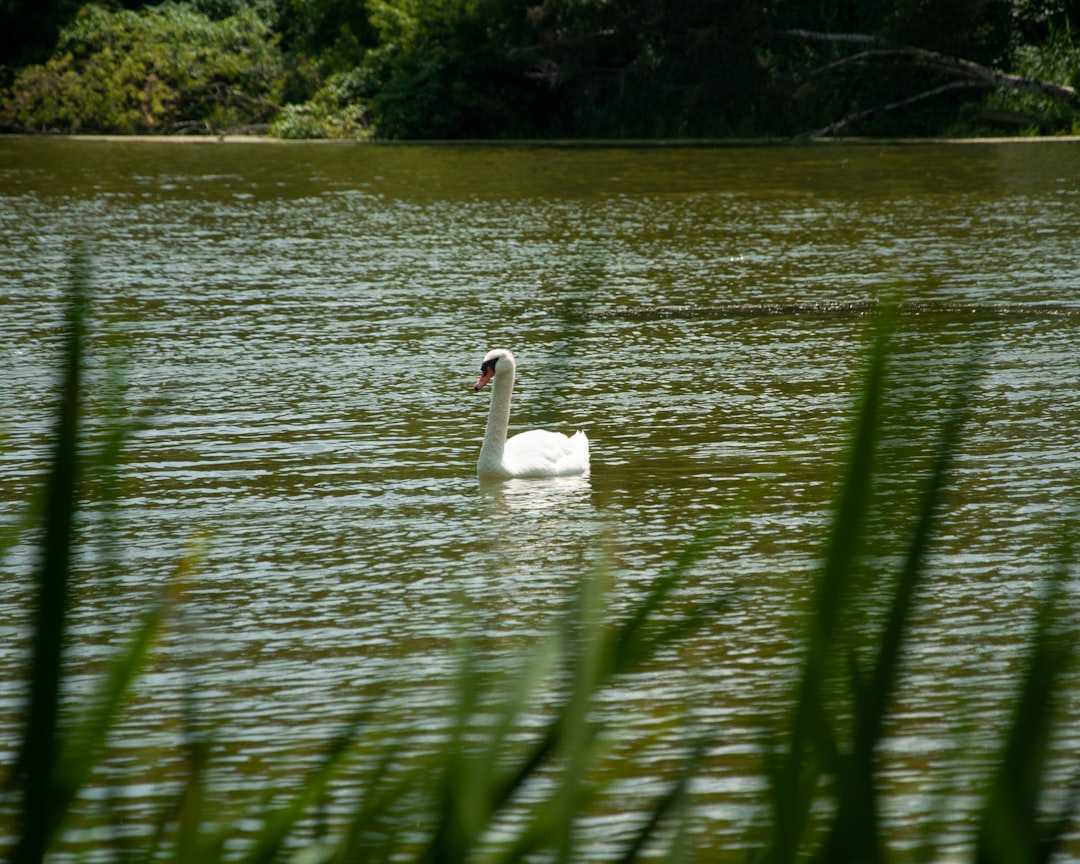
[
  {"x": 82, "y": 747},
  {"x": 589, "y": 668},
  {"x": 855, "y": 833},
  {"x": 668, "y": 803},
  {"x": 1010, "y": 830},
  {"x": 39, "y": 755},
  {"x": 462, "y": 797},
  {"x": 473, "y": 773},
  {"x": 795, "y": 770},
  {"x": 370, "y": 834},
  {"x": 617, "y": 649},
  {"x": 635, "y": 642},
  {"x": 278, "y": 824}
]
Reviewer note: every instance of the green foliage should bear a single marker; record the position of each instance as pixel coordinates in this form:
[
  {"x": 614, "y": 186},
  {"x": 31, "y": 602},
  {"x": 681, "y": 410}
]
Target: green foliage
[
  {"x": 28, "y": 32},
  {"x": 423, "y": 69},
  {"x": 335, "y": 111},
  {"x": 164, "y": 69},
  {"x": 450, "y": 69},
  {"x": 635, "y": 70},
  {"x": 333, "y": 33},
  {"x": 1057, "y": 59}
]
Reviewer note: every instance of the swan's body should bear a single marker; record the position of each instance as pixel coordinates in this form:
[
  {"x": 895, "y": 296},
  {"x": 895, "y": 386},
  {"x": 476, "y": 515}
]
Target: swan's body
[{"x": 535, "y": 453}]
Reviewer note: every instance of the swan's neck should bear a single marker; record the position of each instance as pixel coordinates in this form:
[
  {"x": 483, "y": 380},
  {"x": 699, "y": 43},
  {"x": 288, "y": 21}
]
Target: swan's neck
[{"x": 491, "y": 452}]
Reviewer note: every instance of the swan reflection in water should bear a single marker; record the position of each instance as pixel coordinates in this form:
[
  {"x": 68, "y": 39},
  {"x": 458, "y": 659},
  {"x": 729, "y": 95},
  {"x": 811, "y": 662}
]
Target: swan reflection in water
[{"x": 541, "y": 493}]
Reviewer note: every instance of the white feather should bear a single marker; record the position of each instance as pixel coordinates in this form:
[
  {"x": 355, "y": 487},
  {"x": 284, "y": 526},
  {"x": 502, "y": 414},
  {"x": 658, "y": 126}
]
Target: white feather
[{"x": 536, "y": 453}]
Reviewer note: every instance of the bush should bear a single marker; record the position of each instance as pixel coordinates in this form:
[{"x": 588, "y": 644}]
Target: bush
[
  {"x": 163, "y": 69},
  {"x": 335, "y": 111}
]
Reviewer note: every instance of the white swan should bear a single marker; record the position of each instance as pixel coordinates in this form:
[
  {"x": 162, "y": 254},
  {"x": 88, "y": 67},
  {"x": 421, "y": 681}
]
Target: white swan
[{"x": 535, "y": 453}]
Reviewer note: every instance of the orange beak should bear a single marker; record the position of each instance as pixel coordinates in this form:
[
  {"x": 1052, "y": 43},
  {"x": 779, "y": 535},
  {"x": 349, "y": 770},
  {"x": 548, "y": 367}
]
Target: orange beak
[{"x": 487, "y": 376}]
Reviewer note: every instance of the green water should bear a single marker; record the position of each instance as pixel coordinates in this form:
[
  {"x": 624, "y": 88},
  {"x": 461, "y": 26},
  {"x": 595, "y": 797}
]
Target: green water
[{"x": 305, "y": 323}]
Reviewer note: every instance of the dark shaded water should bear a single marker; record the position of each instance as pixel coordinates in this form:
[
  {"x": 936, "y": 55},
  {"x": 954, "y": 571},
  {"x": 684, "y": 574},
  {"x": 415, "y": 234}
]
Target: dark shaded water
[{"x": 304, "y": 324}]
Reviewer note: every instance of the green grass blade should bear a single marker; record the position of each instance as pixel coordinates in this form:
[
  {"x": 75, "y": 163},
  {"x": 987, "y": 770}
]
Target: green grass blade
[
  {"x": 1010, "y": 830},
  {"x": 856, "y": 833},
  {"x": 278, "y": 824},
  {"x": 372, "y": 832},
  {"x": 667, "y": 804},
  {"x": 887, "y": 662},
  {"x": 618, "y": 650},
  {"x": 635, "y": 642},
  {"x": 473, "y": 778},
  {"x": 82, "y": 747},
  {"x": 193, "y": 842},
  {"x": 39, "y": 753},
  {"x": 795, "y": 770}
]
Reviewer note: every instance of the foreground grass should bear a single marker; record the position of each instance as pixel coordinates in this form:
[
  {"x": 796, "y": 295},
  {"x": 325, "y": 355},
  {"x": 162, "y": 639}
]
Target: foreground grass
[{"x": 823, "y": 802}]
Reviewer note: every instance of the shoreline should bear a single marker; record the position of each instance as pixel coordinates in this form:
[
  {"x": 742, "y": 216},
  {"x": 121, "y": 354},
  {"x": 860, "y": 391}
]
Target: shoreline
[{"x": 540, "y": 142}]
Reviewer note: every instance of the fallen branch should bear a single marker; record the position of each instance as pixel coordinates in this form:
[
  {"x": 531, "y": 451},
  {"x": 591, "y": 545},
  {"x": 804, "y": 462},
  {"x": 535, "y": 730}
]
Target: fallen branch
[
  {"x": 969, "y": 73},
  {"x": 892, "y": 106},
  {"x": 816, "y": 36}
]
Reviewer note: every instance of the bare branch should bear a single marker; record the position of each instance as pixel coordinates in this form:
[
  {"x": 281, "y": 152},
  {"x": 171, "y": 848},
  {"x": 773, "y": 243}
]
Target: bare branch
[
  {"x": 850, "y": 60},
  {"x": 868, "y": 112},
  {"x": 1018, "y": 82},
  {"x": 815, "y": 36},
  {"x": 945, "y": 62},
  {"x": 967, "y": 73}
]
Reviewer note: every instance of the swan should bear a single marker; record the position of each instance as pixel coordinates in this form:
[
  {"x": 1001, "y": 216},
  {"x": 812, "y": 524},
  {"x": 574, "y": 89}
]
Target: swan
[{"x": 536, "y": 453}]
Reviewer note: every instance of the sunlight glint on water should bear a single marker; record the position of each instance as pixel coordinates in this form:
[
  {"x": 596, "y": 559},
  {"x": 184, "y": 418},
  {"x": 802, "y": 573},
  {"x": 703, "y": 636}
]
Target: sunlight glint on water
[{"x": 304, "y": 325}]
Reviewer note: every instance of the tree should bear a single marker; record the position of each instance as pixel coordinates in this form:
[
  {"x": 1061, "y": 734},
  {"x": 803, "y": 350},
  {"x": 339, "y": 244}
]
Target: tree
[
  {"x": 163, "y": 69},
  {"x": 451, "y": 69},
  {"x": 555, "y": 68}
]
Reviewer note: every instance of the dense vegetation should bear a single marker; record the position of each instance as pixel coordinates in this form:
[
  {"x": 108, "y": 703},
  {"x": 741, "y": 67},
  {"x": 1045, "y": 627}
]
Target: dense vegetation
[{"x": 541, "y": 68}]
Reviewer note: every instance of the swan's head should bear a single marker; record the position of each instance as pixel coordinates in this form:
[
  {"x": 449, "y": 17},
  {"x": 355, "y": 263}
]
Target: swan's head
[{"x": 499, "y": 361}]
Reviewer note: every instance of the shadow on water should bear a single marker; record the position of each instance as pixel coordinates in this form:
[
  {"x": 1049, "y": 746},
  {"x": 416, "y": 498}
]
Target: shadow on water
[{"x": 846, "y": 309}]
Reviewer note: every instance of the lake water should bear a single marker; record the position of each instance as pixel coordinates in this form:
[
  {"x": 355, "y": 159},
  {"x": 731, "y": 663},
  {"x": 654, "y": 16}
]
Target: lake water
[{"x": 303, "y": 325}]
